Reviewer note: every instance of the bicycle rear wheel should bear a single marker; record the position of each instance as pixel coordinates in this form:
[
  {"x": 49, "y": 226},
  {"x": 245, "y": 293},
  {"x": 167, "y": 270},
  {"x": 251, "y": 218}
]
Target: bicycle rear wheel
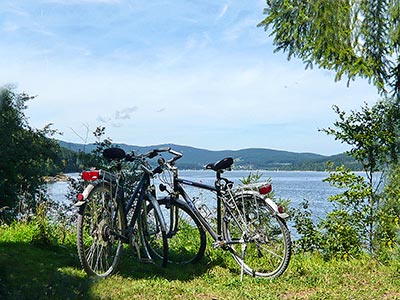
[
  {"x": 100, "y": 221},
  {"x": 186, "y": 236},
  {"x": 259, "y": 240}
]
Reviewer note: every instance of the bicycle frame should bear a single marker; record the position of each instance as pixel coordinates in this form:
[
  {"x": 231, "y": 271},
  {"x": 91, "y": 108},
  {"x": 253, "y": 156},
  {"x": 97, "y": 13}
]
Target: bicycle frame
[
  {"x": 178, "y": 187},
  {"x": 139, "y": 193},
  {"x": 135, "y": 201},
  {"x": 179, "y": 190}
]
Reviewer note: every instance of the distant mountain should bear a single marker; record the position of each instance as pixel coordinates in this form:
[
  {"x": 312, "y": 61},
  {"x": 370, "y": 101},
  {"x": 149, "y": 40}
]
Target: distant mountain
[{"x": 252, "y": 158}]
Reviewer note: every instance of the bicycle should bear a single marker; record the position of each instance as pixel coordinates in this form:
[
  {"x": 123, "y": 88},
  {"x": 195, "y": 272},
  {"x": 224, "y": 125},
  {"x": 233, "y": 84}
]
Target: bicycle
[
  {"x": 106, "y": 222},
  {"x": 248, "y": 224}
]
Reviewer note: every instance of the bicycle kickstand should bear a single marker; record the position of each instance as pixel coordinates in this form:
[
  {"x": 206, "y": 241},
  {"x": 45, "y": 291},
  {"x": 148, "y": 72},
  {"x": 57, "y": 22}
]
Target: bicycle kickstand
[{"x": 244, "y": 246}]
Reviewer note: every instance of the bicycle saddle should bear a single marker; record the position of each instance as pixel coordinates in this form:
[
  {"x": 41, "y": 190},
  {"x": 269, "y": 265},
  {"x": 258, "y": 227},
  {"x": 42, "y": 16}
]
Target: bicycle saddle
[
  {"x": 114, "y": 153},
  {"x": 223, "y": 164}
]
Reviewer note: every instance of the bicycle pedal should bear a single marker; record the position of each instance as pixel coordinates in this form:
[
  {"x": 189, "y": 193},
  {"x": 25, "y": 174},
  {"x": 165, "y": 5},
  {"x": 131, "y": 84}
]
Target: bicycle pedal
[
  {"x": 219, "y": 244},
  {"x": 146, "y": 260}
]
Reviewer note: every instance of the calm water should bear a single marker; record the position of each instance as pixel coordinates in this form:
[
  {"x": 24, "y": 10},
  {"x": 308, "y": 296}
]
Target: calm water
[{"x": 295, "y": 186}]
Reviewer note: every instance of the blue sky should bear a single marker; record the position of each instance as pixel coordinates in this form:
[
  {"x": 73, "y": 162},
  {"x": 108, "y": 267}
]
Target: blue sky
[{"x": 195, "y": 72}]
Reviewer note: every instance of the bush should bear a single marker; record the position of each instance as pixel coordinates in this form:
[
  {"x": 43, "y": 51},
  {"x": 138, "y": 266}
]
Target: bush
[
  {"x": 310, "y": 235},
  {"x": 341, "y": 237},
  {"x": 26, "y": 154},
  {"x": 388, "y": 233}
]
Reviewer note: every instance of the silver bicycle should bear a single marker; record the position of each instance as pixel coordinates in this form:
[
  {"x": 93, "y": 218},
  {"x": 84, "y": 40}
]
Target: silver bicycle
[{"x": 247, "y": 222}]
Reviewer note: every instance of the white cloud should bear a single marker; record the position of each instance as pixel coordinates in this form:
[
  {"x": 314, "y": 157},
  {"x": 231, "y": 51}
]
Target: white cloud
[
  {"x": 223, "y": 12},
  {"x": 10, "y": 27},
  {"x": 103, "y": 119},
  {"x": 125, "y": 113}
]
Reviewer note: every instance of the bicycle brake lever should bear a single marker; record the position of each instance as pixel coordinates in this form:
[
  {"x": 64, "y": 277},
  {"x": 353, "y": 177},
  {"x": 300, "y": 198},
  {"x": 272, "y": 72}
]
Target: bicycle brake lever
[{"x": 152, "y": 154}]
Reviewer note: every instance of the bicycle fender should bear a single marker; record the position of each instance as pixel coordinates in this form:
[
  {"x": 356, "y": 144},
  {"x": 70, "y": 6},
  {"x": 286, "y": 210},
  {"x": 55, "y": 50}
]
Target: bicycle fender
[
  {"x": 271, "y": 203},
  {"x": 85, "y": 195},
  {"x": 156, "y": 207}
]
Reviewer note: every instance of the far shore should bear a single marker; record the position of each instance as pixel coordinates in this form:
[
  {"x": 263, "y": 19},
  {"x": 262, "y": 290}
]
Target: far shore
[{"x": 56, "y": 178}]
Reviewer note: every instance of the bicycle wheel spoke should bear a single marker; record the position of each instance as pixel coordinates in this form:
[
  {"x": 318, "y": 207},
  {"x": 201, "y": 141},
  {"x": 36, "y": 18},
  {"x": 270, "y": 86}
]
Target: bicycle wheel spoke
[
  {"x": 103, "y": 259},
  {"x": 91, "y": 254},
  {"x": 270, "y": 252}
]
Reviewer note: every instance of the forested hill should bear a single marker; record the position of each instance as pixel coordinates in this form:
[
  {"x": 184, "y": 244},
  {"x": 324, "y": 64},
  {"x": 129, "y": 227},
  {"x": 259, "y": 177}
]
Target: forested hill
[{"x": 253, "y": 158}]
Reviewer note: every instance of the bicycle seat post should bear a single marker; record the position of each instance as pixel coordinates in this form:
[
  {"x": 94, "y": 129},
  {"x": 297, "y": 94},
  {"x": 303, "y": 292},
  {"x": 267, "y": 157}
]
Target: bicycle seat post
[
  {"x": 219, "y": 205},
  {"x": 218, "y": 181}
]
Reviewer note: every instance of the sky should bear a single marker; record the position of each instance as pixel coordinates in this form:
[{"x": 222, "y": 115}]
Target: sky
[{"x": 190, "y": 72}]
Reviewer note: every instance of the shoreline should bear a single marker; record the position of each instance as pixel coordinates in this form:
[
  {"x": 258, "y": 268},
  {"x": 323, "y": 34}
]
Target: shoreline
[{"x": 56, "y": 178}]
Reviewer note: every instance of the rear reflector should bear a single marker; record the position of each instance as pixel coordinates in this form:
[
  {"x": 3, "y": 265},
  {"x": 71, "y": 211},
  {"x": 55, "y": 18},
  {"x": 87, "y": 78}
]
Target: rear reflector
[
  {"x": 265, "y": 189},
  {"x": 80, "y": 197},
  {"x": 90, "y": 175}
]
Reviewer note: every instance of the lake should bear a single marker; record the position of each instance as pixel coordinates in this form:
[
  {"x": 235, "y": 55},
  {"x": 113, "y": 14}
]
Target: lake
[{"x": 293, "y": 185}]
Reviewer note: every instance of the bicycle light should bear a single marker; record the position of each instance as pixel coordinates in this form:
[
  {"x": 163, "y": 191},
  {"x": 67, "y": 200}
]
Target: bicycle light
[
  {"x": 90, "y": 175},
  {"x": 265, "y": 189}
]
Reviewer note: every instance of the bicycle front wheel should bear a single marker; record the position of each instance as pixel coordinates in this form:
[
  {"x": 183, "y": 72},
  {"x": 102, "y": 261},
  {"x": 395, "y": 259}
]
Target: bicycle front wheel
[
  {"x": 259, "y": 240},
  {"x": 100, "y": 222},
  {"x": 185, "y": 234}
]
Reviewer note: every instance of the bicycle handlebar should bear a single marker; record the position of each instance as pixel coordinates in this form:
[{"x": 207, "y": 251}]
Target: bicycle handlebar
[
  {"x": 153, "y": 153},
  {"x": 150, "y": 154},
  {"x": 119, "y": 154},
  {"x": 177, "y": 155}
]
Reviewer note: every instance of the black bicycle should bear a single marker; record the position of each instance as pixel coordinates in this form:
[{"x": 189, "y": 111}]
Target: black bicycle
[
  {"x": 246, "y": 223},
  {"x": 106, "y": 221}
]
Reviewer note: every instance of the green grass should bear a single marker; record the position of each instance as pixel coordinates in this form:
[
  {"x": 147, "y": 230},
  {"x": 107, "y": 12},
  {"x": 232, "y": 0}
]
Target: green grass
[{"x": 53, "y": 272}]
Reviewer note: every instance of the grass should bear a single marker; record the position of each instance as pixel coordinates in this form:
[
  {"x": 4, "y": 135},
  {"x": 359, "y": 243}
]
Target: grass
[{"x": 29, "y": 271}]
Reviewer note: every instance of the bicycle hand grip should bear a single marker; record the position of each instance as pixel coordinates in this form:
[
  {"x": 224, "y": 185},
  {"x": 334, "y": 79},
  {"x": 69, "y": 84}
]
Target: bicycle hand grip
[
  {"x": 154, "y": 152},
  {"x": 177, "y": 156},
  {"x": 176, "y": 153},
  {"x": 165, "y": 149}
]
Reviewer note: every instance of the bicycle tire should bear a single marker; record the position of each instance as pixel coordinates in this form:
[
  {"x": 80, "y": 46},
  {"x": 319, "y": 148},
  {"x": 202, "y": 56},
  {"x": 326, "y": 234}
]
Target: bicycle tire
[
  {"x": 186, "y": 236},
  {"x": 99, "y": 249},
  {"x": 259, "y": 240},
  {"x": 153, "y": 232}
]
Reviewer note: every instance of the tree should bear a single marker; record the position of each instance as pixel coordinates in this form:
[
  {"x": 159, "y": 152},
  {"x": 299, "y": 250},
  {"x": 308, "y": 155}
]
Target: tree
[
  {"x": 361, "y": 217},
  {"x": 357, "y": 211},
  {"x": 389, "y": 216},
  {"x": 26, "y": 154},
  {"x": 371, "y": 132},
  {"x": 353, "y": 38}
]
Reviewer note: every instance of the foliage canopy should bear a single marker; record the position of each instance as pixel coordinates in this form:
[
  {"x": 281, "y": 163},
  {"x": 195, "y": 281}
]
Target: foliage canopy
[
  {"x": 26, "y": 154},
  {"x": 353, "y": 38}
]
